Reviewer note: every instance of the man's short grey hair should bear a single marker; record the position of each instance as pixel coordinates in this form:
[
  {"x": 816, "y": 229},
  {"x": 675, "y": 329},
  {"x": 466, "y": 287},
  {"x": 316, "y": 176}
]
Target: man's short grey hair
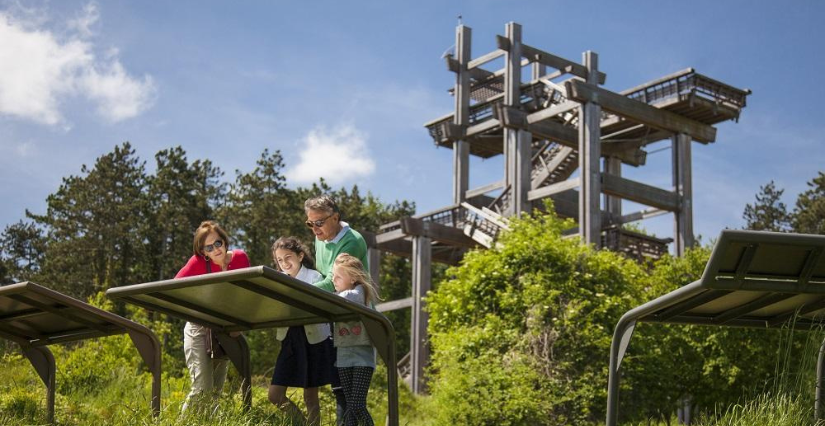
[{"x": 321, "y": 203}]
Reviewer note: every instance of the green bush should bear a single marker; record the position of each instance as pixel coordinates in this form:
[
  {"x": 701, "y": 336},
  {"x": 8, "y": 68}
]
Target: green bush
[{"x": 521, "y": 332}]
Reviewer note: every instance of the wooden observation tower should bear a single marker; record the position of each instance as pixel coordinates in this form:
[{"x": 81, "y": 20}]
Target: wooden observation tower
[{"x": 563, "y": 136}]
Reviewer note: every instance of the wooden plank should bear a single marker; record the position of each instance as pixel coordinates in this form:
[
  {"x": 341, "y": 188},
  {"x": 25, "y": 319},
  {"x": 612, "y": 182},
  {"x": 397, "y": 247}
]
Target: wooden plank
[
  {"x": 386, "y": 237},
  {"x": 482, "y": 127},
  {"x": 641, "y": 215},
  {"x": 590, "y": 116},
  {"x": 555, "y": 132},
  {"x": 510, "y": 117},
  {"x": 537, "y": 55},
  {"x": 613, "y": 205},
  {"x": 481, "y": 60},
  {"x": 553, "y": 111},
  {"x": 461, "y": 149},
  {"x": 443, "y": 234},
  {"x": 640, "y": 193},
  {"x": 484, "y": 189},
  {"x": 478, "y": 74},
  {"x": 639, "y": 111},
  {"x": 394, "y": 305},
  {"x": 546, "y": 191},
  {"x": 421, "y": 277},
  {"x": 682, "y": 181}
]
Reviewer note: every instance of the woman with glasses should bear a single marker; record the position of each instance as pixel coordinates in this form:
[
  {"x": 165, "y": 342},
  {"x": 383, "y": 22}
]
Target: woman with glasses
[
  {"x": 211, "y": 254},
  {"x": 332, "y": 237}
]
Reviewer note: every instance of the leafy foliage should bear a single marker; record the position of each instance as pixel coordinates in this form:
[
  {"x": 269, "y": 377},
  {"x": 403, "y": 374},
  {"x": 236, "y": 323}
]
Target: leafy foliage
[
  {"x": 542, "y": 304},
  {"x": 521, "y": 333}
]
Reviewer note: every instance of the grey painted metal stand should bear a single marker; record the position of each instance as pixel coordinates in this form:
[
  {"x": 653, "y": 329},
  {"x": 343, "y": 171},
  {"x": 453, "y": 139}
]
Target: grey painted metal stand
[
  {"x": 256, "y": 298},
  {"x": 238, "y": 351},
  {"x": 42, "y": 360},
  {"x": 34, "y": 316},
  {"x": 753, "y": 279}
]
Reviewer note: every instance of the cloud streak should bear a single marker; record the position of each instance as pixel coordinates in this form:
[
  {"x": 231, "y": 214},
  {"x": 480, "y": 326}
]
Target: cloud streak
[
  {"x": 339, "y": 155},
  {"x": 40, "y": 71}
]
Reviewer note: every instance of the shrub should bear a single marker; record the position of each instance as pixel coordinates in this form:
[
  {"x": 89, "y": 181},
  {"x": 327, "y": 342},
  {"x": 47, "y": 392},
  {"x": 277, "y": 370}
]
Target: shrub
[{"x": 532, "y": 316}]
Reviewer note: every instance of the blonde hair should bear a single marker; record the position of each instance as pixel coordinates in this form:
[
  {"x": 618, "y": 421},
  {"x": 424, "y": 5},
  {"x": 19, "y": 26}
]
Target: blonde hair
[{"x": 355, "y": 269}]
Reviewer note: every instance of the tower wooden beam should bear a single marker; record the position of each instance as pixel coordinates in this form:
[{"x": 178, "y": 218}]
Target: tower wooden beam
[
  {"x": 549, "y": 59},
  {"x": 683, "y": 186},
  {"x": 419, "y": 345},
  {"x": 639, "y": 111},
  {"x": 590, "y": 114},
  {"x": 639, "y": 192},
  {"x": 461, "y": 148}
]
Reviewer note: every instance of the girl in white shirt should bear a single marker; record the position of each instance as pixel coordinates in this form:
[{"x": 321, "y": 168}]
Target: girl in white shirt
[{"x": 307, "y": 355}]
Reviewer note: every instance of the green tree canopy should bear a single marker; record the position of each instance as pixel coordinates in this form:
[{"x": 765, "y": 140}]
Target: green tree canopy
[{"x": 768, "y": 213}]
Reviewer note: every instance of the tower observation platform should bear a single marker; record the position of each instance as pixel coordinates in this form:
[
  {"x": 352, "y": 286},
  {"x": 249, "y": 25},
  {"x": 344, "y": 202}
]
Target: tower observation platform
[{"x": 563, "y": 136}]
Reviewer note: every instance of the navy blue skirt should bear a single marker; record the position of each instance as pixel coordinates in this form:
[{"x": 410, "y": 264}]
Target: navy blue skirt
[{"x": 301, "y": 365}]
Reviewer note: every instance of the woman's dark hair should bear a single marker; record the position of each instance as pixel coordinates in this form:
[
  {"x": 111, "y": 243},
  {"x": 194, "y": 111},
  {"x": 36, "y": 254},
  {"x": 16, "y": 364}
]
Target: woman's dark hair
[
  {"x": 294, "y": 245},
  {"x": 207, "y": 227}
]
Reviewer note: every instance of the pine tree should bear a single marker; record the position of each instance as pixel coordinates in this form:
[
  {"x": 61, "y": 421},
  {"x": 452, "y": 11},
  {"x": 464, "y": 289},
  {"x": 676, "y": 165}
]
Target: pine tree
[
  {"x": 92, "y": 225},
  {"x": 768, "y": 213},
  {"x": 261, "y": 208},
  {"x": 180, "y": 196},
  {"x": 809, "y": 214},
  {"x": 21, "y": 252}
]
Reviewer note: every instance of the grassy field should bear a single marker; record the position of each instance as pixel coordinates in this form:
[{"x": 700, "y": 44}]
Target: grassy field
[
  {"x": 120, "y": 395},
  {"x": 122, "y": 398}
]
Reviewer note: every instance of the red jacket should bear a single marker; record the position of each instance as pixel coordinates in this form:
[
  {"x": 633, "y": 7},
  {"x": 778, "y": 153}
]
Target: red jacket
[{"x": 197, "y": 264}]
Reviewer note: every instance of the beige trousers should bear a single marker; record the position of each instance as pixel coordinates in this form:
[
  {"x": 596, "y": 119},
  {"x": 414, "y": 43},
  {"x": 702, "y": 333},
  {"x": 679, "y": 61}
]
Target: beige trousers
[{"x": 206, "y": 373}]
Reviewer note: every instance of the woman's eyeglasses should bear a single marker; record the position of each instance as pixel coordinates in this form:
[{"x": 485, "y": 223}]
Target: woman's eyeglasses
[
  {"x": 213, "y": 246},
  {"x": 317, "y": 223}
]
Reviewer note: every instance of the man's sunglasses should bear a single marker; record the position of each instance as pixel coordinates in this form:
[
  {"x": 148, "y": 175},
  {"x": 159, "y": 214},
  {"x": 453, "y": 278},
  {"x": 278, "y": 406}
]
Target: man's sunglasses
[
  {"x": 317, "y": 223},
  {"x": 213, "y": 246}
]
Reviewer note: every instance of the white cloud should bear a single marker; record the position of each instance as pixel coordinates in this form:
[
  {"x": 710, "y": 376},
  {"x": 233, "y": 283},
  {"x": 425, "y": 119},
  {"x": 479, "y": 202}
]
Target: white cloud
[
  {"x": 39, "y": 70},
  {"x": 338, "y": 156},
  {"x": 82, "y": 24}
]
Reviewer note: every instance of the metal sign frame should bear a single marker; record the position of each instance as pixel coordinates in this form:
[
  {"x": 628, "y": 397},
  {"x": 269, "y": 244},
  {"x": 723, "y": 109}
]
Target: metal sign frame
[
  {"x": 752, "y": 279},
  {"x": 256, "y": 298},
  {"x": 34, "y": 317}
]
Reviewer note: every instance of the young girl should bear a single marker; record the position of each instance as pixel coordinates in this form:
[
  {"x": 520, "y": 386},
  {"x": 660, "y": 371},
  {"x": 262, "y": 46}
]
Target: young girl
[
  {"x": 307, "y": 356},
  {"x": 356, "y": 356}
]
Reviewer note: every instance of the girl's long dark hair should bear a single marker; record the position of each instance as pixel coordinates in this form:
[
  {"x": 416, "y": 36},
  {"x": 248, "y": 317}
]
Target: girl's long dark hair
[{"x": 294, "y": 245}]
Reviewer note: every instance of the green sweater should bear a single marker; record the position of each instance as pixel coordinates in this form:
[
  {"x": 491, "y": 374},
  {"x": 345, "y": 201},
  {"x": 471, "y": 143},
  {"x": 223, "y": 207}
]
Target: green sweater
[{"x": 325, "y": 253}]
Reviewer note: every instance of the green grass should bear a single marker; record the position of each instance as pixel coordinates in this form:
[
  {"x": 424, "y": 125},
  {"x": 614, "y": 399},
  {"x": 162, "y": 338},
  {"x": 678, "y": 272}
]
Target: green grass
[{"x": 123, "y": 399}]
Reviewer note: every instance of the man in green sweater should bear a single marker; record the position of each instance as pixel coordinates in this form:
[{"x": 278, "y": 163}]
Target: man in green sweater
[{"x": 332, "y": 237}]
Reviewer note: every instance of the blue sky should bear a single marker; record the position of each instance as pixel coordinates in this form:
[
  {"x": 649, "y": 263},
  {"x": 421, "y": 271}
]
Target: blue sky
[{"x": 350, "y": 84}]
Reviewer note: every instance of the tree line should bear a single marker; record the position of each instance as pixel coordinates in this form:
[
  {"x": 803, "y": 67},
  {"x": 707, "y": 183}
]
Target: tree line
[
  {"x": 116, "y": 224},
  {"x": 769, "y": 213}
]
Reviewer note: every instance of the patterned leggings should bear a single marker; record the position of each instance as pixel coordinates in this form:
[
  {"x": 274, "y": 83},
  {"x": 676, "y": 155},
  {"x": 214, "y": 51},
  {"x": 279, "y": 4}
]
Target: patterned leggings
[{"x": 356, "y": 384}]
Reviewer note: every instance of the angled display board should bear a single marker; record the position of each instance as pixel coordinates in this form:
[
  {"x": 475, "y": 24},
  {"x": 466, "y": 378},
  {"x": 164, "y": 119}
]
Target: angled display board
[
  {"x": 34, "y": 317},
  {"x": 752, "y": 279},
  {"x": 261, "y": 297}
]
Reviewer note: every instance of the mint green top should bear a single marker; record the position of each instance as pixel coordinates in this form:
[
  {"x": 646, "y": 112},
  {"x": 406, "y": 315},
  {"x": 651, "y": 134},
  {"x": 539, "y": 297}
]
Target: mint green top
[{"x": 347, "y": 241}]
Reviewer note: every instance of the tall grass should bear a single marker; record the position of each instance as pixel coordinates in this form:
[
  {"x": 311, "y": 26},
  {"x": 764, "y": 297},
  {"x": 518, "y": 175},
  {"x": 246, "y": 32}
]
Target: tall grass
[{"x": 124, "y": 401}]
